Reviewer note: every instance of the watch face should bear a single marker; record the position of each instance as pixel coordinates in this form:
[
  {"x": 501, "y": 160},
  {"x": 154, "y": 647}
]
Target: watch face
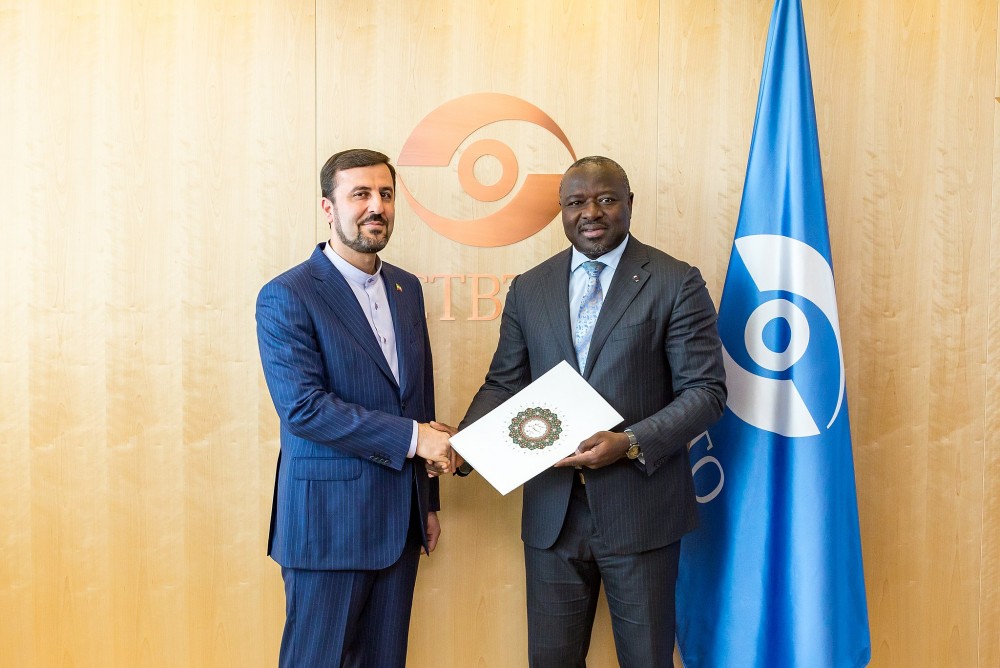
[{"x": 633, "y": 451}]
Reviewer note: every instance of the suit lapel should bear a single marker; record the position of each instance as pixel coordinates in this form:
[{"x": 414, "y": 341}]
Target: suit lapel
[
  {"x": 335, "y": 291},
  {"x": 557, "y": 304},
  {"x": 630, "y": 277},
  {"x": 400, "y": 323}
]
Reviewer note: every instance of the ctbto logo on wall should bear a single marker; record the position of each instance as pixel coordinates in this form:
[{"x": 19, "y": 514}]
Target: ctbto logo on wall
[{"x": 440, "y": 135}]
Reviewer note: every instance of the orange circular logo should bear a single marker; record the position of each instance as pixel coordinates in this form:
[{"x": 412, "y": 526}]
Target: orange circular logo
[{"x": 434, "y": 142}]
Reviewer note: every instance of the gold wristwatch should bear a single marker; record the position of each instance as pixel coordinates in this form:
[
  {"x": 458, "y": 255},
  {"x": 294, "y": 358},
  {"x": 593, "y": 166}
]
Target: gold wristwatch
[{"x": 634, "y": 450}]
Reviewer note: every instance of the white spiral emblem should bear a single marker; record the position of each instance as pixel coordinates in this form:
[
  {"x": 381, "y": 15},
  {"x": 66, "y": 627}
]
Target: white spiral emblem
[{"x": 780, "y": 263}]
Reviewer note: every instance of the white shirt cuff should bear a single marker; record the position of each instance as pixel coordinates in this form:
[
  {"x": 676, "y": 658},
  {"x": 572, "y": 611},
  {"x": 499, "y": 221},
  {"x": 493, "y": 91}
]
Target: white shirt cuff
[{"x": 413, "y": 442}]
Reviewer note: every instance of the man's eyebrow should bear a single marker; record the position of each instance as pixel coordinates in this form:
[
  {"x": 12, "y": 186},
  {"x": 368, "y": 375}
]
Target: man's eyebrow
[
  {"x": 602, "y": 193},
  {"x": 382, "y": 189}
]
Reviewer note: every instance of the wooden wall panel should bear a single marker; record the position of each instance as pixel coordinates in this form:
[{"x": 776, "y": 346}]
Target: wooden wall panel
[
  {"x": 64, "y": 286},
  {"x": 710, "y": 62},
  {"x": 908, "y": 181},
  {"x": 160, "y": 169},
  {"x": 160, "y": 165},
  {"x": 17, "y": 582},
  {"x": 989, "y": 604}
]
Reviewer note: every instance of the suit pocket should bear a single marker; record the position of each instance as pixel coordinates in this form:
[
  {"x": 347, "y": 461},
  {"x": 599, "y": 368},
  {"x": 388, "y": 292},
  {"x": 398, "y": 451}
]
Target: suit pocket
[
  {"x": 326, "y": 468},
  {"x": 641, "y": 329}
]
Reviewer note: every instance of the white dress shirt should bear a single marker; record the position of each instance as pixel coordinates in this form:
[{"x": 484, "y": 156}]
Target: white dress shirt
[{"x": 369, "y": 290}]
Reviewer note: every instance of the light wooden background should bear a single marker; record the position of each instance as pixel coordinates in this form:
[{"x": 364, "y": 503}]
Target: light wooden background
[{"x": 158, "y": 163}]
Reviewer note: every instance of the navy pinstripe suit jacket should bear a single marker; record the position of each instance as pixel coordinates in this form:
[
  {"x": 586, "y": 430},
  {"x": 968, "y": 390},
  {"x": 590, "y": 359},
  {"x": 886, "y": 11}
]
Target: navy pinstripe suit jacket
[
  {"x": 655, "y": 356},
  {"x": 344, "y": 485}
]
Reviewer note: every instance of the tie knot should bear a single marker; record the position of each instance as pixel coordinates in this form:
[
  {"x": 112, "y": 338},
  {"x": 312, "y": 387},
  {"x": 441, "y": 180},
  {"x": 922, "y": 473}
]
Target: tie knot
[{"x": 593, "y": 267}]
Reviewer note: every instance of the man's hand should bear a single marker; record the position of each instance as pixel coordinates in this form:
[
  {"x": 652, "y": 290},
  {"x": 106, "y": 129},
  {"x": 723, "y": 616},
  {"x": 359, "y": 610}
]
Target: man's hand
[
  {"x": 433, "y": 532},
  {"x": 441, "y": 426},
  {"x": 456, "y": 459},
  {"x": 434, "y": 448},
  {"x": 601, "y": 449},
  {"x": 435, "y": 469}
]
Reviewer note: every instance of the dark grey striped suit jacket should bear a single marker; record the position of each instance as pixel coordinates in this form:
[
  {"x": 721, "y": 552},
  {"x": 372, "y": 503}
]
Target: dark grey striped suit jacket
[{"x": 655, "y": 356}]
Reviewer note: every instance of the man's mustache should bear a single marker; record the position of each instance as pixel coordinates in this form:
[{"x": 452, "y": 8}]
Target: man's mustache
[{"x": 374, "y": 218}]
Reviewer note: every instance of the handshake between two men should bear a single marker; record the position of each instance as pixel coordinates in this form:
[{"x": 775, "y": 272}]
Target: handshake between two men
[{"x": 434, "y": 446}]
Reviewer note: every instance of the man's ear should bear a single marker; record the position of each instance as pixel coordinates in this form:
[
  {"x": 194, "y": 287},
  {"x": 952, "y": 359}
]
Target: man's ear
[{"x": 327, "y": 207}]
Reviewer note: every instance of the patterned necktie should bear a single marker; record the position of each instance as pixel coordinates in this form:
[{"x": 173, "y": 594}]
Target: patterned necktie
[{"x": 590, "y": 308}]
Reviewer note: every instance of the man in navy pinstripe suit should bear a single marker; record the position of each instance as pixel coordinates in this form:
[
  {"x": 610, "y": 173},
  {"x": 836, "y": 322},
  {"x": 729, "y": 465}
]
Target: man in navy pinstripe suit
[
  {"x": 343, "y": 342},
  {"x": 641, "y": 327}
]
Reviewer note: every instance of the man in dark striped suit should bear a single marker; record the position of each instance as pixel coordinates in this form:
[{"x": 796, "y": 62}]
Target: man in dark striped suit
[
  {"x": 641, "y": 327},
  {"x": 343, "y": 342}
]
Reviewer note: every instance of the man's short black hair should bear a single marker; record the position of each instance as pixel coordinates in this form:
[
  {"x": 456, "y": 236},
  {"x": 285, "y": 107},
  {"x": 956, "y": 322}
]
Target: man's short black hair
[
  {"x": 599, "y": 161},
  {"x": 350, "y": 159}
]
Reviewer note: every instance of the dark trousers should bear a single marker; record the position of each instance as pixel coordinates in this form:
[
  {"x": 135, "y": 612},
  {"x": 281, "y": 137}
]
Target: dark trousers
[
  {"x": 563, "y": 584},
  {"x": 350, "y": 619}
]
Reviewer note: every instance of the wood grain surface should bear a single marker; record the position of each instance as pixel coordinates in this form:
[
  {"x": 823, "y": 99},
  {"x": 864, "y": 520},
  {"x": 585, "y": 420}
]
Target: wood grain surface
[{"x": 160, "y": 163}]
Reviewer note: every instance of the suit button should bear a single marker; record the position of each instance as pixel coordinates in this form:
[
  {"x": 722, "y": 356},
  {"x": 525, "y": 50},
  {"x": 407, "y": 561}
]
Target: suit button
[{"x": 403, "y": 405}]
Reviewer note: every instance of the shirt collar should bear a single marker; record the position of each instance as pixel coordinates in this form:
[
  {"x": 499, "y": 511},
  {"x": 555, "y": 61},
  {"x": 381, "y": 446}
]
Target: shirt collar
[
  {"x": 610, "y": 259},
  {"x": 349, "y": 271}
]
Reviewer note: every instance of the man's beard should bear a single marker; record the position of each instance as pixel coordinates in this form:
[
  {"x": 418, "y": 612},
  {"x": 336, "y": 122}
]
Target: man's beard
[{"x": 361, "y": 243}]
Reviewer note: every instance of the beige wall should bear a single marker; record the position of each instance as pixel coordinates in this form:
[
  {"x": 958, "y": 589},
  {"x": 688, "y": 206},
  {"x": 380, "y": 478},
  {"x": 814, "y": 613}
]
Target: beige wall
[{"x": 159, "y": 164}]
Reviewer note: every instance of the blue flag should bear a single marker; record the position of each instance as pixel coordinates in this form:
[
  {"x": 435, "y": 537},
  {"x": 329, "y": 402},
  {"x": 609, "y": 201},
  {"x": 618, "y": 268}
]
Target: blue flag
[{"x": 773, "y": 577}]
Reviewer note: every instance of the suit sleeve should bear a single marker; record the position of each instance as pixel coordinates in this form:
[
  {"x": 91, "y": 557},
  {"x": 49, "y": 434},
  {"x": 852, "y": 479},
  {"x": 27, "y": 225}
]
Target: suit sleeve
[
  {"x": 698, "y": 377},
  {"x": 293, "y": 369},
  {"x": 434, "y": 485},
  {"x": 510, "y": 370}
]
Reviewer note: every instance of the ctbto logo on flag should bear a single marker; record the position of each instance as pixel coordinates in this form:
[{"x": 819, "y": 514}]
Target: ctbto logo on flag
[{"x": 793, "y": 281}]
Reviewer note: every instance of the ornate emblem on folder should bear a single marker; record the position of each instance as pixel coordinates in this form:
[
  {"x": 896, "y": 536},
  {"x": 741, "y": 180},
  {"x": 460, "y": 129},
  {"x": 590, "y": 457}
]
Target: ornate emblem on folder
[{"x": 535, "y": 428}]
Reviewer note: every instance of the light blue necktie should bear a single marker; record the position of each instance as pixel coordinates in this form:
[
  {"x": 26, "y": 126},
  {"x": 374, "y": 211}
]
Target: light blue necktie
[{"x": 590, "y": 308}]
